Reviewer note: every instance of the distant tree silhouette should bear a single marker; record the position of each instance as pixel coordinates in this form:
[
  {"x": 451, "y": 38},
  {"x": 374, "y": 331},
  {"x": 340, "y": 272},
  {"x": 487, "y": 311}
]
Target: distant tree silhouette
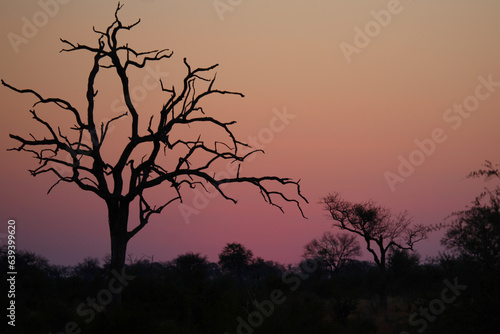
[
  {"x": 235, "y": 258},
  {"x": 402, "y": 261},
  {"x": 376, "y": 225},
  {"x": 33, "y": 287},
  {"x": 192, "y": 267},
  {"x": 381, "y": 230},
  {"x": 475, "y": 232},
  {"x": 333, "y": 250},
  {"x": 169, "y": 155},
  {"x": 89, "y": 269},
  {"x": 261, "y": 269}
]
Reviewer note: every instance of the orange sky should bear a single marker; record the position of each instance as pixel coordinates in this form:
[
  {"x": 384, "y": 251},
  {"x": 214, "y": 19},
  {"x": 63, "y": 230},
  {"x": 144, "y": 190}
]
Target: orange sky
[{"x": 355, "y": 115}]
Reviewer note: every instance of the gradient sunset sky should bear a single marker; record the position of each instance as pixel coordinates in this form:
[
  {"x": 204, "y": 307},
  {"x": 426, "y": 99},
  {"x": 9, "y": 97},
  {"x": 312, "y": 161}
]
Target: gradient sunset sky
[{"x": 354, "y": 114}]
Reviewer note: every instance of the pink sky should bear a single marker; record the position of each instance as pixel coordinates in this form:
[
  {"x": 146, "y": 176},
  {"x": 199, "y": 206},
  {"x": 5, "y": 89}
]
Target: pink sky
[{"x": 354, "y": 114}]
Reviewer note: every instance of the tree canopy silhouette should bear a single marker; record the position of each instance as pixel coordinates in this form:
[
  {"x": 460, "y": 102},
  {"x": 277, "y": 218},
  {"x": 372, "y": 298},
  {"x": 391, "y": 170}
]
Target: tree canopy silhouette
[
  {"x": 376, "y": 225},
  {"x": 126, "y": 181},
  {"x": 235, "y": 258},
  {"x": 381, "y": 230},
  {"x": 474, "y": 233},
  {"x": 333, "y": 250}
]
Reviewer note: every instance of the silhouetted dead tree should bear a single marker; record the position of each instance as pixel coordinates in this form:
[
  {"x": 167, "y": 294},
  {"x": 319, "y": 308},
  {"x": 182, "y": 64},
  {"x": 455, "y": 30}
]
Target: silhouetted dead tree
[{"x": 127, "y": 180}]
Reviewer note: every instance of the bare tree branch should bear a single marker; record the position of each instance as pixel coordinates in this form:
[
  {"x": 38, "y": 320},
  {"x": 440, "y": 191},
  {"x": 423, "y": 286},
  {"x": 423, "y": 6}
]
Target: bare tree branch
[
  {"x": 145, "y": 213},
  {"x": 334, "y": 250},
  {"x": 375, "y": 224},
  {"x": 191, "y": 159},
  {"x": 59, "y": 102},
  {"x": 489, "y": 171}
]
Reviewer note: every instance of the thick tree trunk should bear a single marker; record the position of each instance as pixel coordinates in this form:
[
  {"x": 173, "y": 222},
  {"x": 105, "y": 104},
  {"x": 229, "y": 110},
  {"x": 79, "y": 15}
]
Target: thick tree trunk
[{"x": 118, "y": 212}]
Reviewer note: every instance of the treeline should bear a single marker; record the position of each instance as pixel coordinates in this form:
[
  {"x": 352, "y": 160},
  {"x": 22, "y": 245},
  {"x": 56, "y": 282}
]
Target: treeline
[
  {"x": 243, "y": 294},
  {"x": 330, "y": 291}
]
